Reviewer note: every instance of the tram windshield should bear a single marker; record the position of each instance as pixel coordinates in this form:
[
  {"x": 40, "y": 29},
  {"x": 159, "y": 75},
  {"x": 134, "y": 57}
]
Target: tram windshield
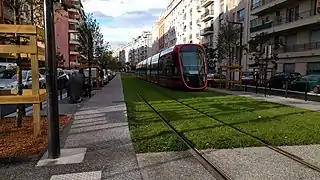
[
  {"x": 193, "y": 65},
  {"x": 193, "y": 60}
]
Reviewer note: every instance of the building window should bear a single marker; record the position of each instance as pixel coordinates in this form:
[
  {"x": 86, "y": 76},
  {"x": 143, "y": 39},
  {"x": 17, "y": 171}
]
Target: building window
[
  {"x": 315, "y": 35},
  {"x": 289, "y": 67},
  {"x": 313, "y": 67},
  {"x": 240, "y": 15},
  {"x": 221, "y": 8}
]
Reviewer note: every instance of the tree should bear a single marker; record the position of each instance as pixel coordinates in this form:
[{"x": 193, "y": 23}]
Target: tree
[
  {"x": 227, "y": 40},
  {"x": 91, "y": 39},
  {"x": 263, "y": 52},
  {"x": 60, "y": 59}
]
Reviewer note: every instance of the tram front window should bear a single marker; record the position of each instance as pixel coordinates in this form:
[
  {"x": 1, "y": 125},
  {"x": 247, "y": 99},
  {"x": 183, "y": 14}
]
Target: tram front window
[{"x": 193, "y": 65}]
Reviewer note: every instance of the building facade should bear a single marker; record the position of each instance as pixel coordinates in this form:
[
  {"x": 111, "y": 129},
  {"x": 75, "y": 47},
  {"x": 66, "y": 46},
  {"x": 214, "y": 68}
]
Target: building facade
[
  {"x": 294, "y": 23},
  {"x": 75, "y": 16},
  {"x": 138, "y": 49}
]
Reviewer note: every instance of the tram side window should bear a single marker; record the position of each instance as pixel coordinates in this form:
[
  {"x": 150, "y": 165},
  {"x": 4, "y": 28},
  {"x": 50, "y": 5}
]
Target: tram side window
[
  {"x": 168, "y": 65},
  {"x": 161, "y": 67},
  {"x": 175, "y": 67}
]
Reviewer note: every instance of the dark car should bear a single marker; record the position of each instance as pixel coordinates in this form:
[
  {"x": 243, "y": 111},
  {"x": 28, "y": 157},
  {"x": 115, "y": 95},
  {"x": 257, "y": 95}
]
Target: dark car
[
  {"x": 311, "y": 82},
  {"x": 279, "y": 80}
]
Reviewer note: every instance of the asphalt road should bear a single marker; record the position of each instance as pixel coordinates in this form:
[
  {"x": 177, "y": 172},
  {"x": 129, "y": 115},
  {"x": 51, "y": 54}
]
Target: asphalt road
[{"x": 11, "y": 108}]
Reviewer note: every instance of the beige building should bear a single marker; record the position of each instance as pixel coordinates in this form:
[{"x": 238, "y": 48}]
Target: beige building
[{"x": 296, "y": 24}]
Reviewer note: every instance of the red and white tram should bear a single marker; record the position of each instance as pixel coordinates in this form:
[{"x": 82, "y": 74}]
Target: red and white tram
[{"x": 181, "y": 66}]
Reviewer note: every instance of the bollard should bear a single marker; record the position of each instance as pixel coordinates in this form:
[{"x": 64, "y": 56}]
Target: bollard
[
  {"x": 257, "y": 88},
  {"x": 265, "y": 90},
  {"x": 41, "y": 107},
  {"x": 306, "y": 92},
  {"x": 245, "y": 88},
  {"x": 286, "y": 92}
]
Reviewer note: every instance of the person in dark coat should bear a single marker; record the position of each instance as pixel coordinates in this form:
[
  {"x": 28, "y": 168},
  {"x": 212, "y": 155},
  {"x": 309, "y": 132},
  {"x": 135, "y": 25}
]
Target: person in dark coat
[
  {"x": 101, "y": 77},
  {"x": 84, "y": 83},
  {"x": 76, "y": 87}
]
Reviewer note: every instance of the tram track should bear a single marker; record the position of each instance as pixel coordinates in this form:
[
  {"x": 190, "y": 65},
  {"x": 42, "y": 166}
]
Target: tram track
[
  {"x": 213, "y": 169},
  {"x": 274, "y": 148}
]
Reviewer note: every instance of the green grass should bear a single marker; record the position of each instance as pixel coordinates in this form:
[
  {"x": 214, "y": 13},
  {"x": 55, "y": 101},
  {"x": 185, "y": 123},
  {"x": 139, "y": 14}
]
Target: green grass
[{"x": 277, "y": 124}]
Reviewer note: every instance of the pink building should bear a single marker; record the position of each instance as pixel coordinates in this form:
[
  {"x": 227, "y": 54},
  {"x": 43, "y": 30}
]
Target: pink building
[{"x": 62, "y": 35}]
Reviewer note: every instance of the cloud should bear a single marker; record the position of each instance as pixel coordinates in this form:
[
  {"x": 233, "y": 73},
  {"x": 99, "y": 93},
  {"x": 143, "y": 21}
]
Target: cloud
[{"x": 122, "y": 20}]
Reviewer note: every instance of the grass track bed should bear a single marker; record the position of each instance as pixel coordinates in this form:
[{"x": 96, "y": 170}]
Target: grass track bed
[{"x": 275, "y": 123}]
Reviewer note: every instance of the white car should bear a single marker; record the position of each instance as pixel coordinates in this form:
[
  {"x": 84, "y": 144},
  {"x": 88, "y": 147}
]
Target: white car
[{"x": 26, "y": 81}]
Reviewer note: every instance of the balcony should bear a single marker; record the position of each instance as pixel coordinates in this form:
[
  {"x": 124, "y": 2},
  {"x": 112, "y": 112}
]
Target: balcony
[
  {"x": 300, "y": 50},
  {"x": 74, "y": 41},
  {"x": 208, "y": 15},
  {"x": 263, "y": 6},
  {"x": 73, "y": 10},
  {"x": 206, "y": 3},
  {"x": 73, "y": 21},
  {"x": 74, "y": 53},
  {"x": 206, "y": 31},
  {"x": 282, "y": 23}
]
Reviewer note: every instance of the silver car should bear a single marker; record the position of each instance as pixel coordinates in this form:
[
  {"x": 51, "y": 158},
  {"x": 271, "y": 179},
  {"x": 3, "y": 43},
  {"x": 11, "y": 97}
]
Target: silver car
[{"x": 26, "y": 81}]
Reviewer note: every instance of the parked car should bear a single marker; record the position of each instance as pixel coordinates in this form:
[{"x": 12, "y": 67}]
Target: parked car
[
  {"x": 248, "y": 78},
  {"x": 279, "y": 80},
  {"x": 312, "y": 82},
  {"x": 105, "y": 78},
  {"x": 109, "y": 74},
  {"x": 62, "y": 77},
  {"x": 215, "y": 81},
  {"x": 26, "y": 81}
]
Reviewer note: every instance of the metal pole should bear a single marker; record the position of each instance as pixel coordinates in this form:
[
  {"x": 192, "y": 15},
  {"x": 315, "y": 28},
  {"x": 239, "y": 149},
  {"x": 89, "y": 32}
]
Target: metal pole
[
  {"x": 51, "y": 79},
  {"x": 240, "y": 58}
]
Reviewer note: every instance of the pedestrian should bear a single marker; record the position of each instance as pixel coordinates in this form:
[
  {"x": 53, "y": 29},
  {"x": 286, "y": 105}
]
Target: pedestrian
[
  {"x": 84, "y": 82},
  {"x": 101, "y": 77}
]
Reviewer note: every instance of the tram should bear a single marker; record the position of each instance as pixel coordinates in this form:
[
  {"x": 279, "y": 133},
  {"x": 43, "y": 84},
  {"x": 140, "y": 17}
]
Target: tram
[{"x": 180, "y": 66}]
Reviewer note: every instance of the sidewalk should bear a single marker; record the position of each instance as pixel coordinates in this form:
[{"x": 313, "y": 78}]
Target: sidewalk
[
  {"x": 99, "y": 140},
  {"x": 310, "y": 105}
]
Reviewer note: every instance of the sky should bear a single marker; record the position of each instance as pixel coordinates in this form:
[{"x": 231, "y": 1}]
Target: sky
[{"x": 122, "y": 20}]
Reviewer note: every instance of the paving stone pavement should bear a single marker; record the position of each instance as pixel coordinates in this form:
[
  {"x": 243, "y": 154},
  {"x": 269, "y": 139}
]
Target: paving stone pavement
[{"x": 101, "y": 127}]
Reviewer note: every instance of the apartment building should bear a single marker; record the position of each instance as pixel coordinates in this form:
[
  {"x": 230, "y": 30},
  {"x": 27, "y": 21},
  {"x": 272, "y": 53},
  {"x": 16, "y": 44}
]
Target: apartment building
[
  {"x": 179, "y": 23},
  {"x": 75, "y": 16},
  {"x": 295, "y": 23},
  {"x": 208, "y": 16},
  {"x": 138, "y": 49}
]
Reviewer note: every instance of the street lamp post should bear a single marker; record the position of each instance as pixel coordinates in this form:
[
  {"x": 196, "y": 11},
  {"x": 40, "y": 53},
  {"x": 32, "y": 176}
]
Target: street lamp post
[
  {"x": 51, "y": 79},
  {"x": 241, "y": 29}
]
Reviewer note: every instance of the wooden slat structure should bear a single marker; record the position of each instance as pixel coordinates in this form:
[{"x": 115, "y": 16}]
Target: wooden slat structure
[
  {"x": 230, "y": 70},
  {"x": 35, "y": 53}
]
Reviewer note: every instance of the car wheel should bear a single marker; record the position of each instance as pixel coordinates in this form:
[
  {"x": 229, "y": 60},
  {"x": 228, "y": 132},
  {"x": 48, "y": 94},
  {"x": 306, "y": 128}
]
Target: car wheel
[{"x": 316, "y": 90}]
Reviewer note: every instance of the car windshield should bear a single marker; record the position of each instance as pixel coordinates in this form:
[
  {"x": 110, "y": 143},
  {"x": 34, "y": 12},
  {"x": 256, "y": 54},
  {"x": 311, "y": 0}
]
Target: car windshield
[
  {"x": 6, "y": 74},
  {"x": 247, "y": 74},
  {"x": 24, "y": 75}
]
